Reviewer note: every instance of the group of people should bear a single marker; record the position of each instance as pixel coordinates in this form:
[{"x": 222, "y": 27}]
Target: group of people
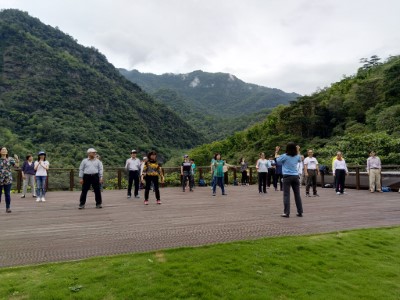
[
  {"x": 285, "y": 169},
  {"x": 34, "y": 175}
]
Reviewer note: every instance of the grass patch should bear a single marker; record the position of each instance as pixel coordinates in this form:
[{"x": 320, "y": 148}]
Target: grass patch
[{"x": 360, "y": 264}]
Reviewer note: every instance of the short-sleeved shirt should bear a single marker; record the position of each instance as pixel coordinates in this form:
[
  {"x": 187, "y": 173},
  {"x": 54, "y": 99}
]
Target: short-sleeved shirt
[
  {"x": 263, "y": 165},
  {"x": 187, "y": 167},
  {"x": 41, "y": 171},
  {"x": 311, "y": 163},
  {"x": 151, "y": 168},
  {"x": 219, "y": 168},
  {"x": 5, "y": 170}
]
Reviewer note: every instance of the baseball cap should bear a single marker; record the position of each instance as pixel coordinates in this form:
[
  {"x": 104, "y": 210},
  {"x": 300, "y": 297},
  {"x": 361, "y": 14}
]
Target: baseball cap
[
  {"x": 90, "y": 150},
  {"x": 133, "y": 151},
  {"x": 41, "y": 153}
]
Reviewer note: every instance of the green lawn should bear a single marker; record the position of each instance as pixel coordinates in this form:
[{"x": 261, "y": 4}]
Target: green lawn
[{"x": 360, "y": 264}]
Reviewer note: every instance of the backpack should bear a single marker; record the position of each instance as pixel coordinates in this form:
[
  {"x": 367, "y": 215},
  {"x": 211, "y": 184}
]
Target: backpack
[{"x": 202, "y": 182}]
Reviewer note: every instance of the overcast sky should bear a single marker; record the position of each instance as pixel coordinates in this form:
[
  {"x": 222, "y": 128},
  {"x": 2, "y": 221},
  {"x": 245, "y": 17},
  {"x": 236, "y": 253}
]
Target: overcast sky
[{"x": 294, "y": 45}]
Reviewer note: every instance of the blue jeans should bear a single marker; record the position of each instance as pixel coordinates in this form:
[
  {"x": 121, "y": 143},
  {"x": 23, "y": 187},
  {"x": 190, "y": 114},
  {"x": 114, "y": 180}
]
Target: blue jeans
[
  {"x": 7, "y": 192},
  {"x": 40, "y": 186},
  {"x": 218, "y": 181}
]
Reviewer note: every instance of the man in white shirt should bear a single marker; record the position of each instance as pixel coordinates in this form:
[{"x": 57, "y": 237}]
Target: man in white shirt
[
  {"x": 133, "y": 166},
  {"x": 311, "y": 170}
]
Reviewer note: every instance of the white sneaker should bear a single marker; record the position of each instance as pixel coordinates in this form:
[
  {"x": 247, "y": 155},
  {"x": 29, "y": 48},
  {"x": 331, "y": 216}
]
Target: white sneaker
[
  {"x": 338, "y": 193},
  {"x": 38, "y": 199},
  {"x": 43, "y": 200}
]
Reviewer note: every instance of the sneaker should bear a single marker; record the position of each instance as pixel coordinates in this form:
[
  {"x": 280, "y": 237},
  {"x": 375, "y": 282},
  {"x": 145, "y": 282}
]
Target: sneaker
[
  {"x": 81, "y": 206},
  {"x": 337, "y": 193},
  {"x": 128, "y": 197},
  {"x": 308, "y": 195},
  {"x": 38, "y": 199},
  {"x": 213, "y": 194},
  {"x": 146, "y": 202},
  {"x": 23, "y": 196},
  {"x": 42, "y": 199},
  {"x": 8, "y": 210},
  {"x": 284, "y": 216},
  {"x": 137, "y": 196},
  {"x": 34, "y": 196},
  {"x": 299, "y": 215},
  {"x": 224, "y": 194},
  {"x": 99, "y": 206},
  {"x": 158, "y": 201},
  {"x": 316, "y": 195}
]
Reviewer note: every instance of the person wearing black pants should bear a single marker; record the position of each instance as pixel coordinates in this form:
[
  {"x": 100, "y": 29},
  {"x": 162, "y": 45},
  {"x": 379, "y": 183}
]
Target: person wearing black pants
[
  {"x": 186, "y": 173},
  {"x": 151, "y": 171},
  {"x": 340, "y": 171},
  {"x": 278, "y": 176},
  {"x": 271, "y": 178},
  {"x": 91, "y": 174},
  {"x": 133, "y": 166},
  {"x": 262, "y": 168}
]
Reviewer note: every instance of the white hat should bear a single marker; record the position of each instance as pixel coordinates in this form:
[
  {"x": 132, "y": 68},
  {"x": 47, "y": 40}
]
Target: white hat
[
  {"x": 90, "y": 150},
  {"x": 133, "y": 151}
]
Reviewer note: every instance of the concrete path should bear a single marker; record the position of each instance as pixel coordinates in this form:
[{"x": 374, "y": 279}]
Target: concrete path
[{"x": 57, "y": 231}]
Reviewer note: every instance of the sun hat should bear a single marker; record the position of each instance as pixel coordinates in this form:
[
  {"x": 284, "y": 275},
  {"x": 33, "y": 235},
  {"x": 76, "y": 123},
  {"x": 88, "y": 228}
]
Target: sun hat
[{"x": 41, "y": 153}]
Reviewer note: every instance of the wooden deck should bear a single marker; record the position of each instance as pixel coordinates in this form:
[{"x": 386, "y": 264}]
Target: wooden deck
[{"x": 57, "y": 231}]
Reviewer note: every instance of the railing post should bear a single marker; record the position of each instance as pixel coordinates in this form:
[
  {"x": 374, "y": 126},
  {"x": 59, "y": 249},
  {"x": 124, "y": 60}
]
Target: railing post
[
  {"x": 322, "y": 179},
  {"x": 71, "y": 180},
  {"x": 19, "y": 180},
  {"x": 251, "y": 175},
  {"x": 357, "y": 178},
  {"x": 201, "y": 173},
  {"x": 234, "y": 175},
  {"x": 119, "y": 179},
  {"x": 163, "y": 173}
]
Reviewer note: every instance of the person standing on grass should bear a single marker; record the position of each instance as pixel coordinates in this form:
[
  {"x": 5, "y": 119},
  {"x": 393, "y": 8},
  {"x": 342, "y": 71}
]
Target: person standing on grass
[
  {"x": 132, "y": 166},
  {"x": 311, "y": 170},
  {"x": 340, "y": 171},
  {"x": 262, "y": 166},
  {"x": 41, "y": 167},
  {"x": 217, "y": 169},
  {"x": 151, "y": 171},
  {"x": 91, "y": 175},
  {"x": 28, "y": 175},
  {"x": 6, "y": 165},
  {"x": 289, "y": 162},
  {"x": 186, "y": 173},
  {"x": 243, "y": 169},
  {"x": 374, "y": 168}
]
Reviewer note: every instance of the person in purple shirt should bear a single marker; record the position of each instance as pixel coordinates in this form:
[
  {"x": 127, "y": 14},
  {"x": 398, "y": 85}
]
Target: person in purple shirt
[
  {"x": 28, "y": 175},
  {"x": 289, "y": 162}
]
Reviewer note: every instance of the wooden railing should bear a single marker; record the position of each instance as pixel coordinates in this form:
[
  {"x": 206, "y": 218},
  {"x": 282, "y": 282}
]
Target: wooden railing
[{"x": 68, "y": 178}]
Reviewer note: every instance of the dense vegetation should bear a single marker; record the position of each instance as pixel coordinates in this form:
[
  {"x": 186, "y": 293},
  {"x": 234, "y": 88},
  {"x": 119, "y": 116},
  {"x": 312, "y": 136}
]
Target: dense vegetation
[
  {"x": 62, "y": 97},
  {"x": 215, "y": 104},
  {"x": 355, "y": 115}
]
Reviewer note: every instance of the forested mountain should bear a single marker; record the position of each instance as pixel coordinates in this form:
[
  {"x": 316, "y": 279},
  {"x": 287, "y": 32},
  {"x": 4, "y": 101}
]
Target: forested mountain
[
  {"x": 358, "y": 114},
  {"x": 62, "y": 97},
  {"x": 216, "y": 104}
]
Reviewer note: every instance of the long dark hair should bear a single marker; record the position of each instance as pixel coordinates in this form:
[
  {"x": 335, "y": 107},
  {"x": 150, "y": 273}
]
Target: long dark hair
[
  {"x": 216, "y": 154},
  {"x": 291, "y": 149}
]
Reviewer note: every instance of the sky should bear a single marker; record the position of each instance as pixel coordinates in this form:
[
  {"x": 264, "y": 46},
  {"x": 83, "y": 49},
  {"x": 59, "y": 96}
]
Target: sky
[{"x": 294, "y": 45}]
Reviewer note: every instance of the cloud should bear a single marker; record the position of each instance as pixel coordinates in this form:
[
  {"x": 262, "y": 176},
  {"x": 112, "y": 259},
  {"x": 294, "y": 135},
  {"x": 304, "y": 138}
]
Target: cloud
[{"x": 296, "y": 45}]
